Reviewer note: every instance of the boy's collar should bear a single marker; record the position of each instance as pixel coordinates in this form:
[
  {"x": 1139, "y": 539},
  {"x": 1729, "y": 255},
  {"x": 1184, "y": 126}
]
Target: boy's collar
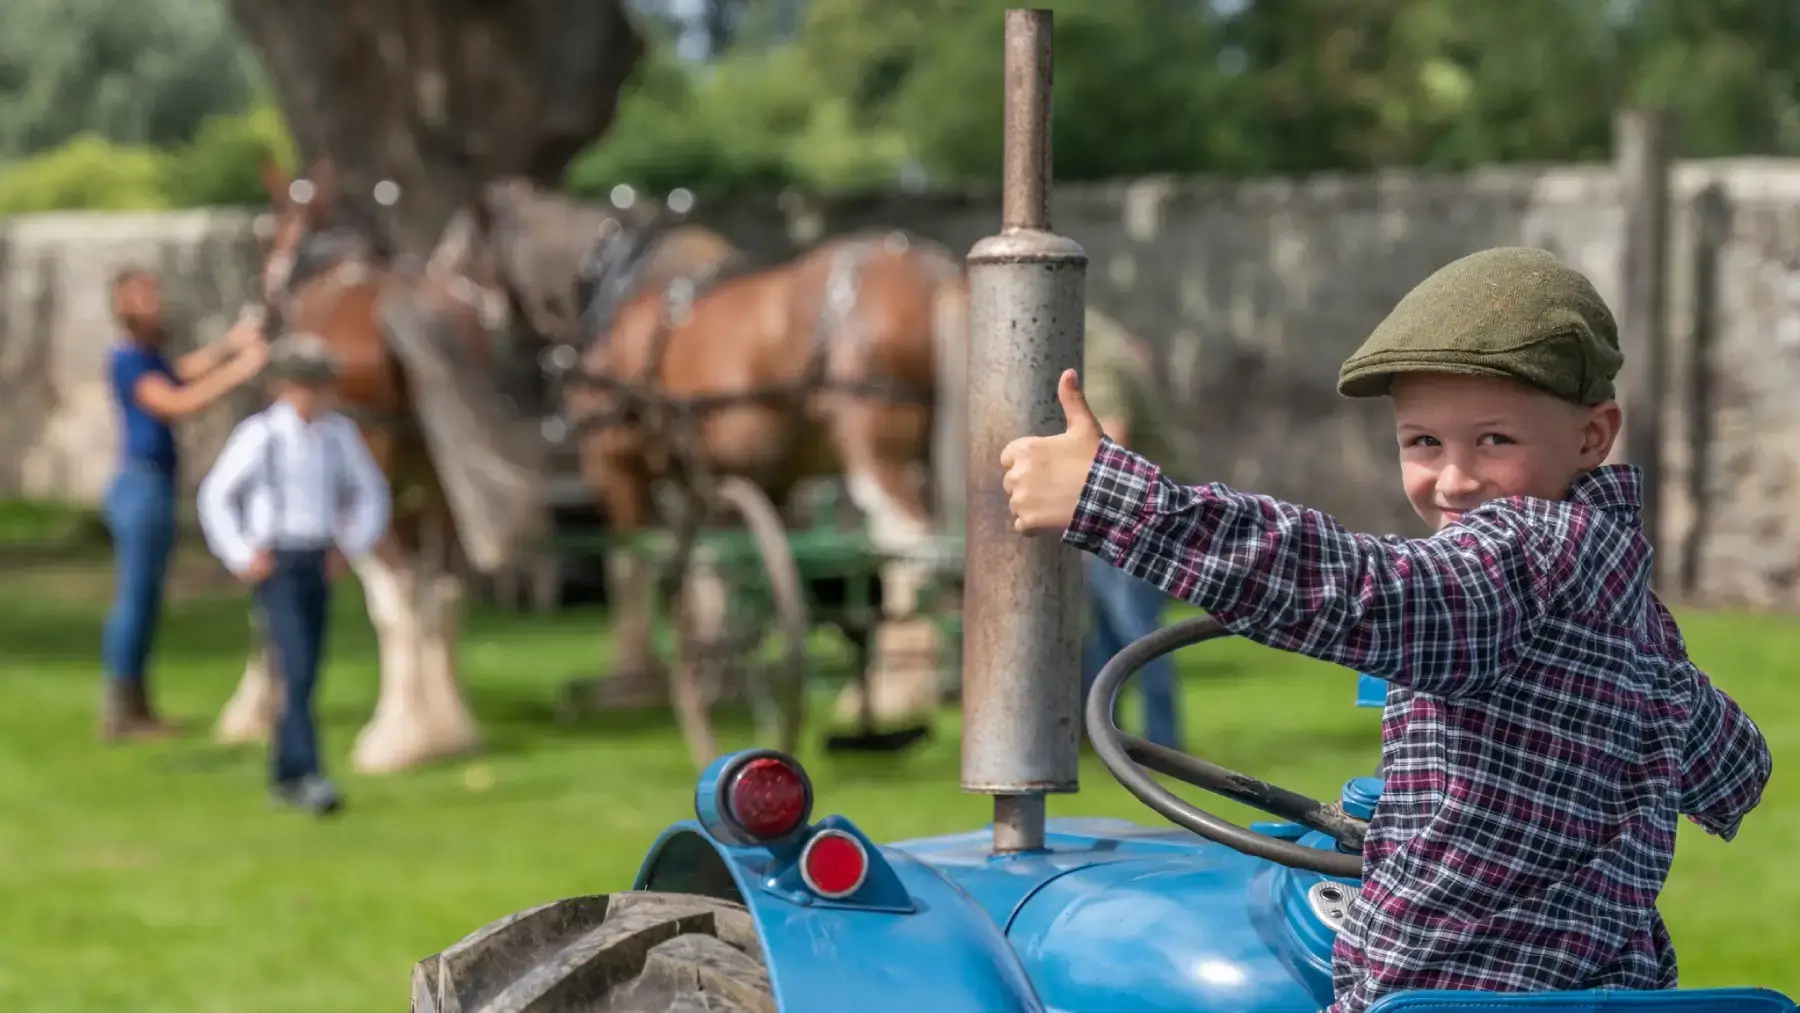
[
  {"x": 281, "y": 409},
  {"x": 1616, "y": 487}
]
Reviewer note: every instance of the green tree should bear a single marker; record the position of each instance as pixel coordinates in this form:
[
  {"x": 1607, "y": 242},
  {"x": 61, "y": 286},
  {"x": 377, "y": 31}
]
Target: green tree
[
  {"x": 222, "y": 165},
  {"x": 847, "y": 94},
  {"x": 143, "y": 72},
  {"x": 1437, "y": 83},
  {"x": 89, "y": 173},
  {"x": 1138, "y": 89},
  {"x": 750, "y": 121},
  {"x": 1725, "y": 67}
]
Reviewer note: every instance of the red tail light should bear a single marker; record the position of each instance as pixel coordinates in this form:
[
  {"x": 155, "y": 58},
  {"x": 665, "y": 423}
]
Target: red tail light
[
  {"x": 834, "y": 864},
  {"x": 768, "y": 798}
]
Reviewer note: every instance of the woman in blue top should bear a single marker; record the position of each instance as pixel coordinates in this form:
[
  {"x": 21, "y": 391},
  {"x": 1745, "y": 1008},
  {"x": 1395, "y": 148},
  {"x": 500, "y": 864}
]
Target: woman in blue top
[{"x": 151, "y": 392}]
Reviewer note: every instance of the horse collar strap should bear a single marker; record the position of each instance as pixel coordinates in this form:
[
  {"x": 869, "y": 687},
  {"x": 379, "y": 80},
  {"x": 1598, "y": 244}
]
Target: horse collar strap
[{"x": 641, "y": 402}]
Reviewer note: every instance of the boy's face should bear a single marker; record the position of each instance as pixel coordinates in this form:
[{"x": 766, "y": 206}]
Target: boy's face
[
  {"x": 309, "y": 401},
  {"x": 1465, "y": 440}
]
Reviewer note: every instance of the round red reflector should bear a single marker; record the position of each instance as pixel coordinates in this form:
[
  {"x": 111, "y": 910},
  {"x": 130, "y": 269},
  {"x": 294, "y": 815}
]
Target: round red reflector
[
  {"x": 834, "y": 864},
  {"x": 767, "y": 798}
]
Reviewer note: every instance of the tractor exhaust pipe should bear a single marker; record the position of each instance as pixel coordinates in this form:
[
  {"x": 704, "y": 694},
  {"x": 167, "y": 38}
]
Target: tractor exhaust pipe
[{"x": 1022, "y": 596}]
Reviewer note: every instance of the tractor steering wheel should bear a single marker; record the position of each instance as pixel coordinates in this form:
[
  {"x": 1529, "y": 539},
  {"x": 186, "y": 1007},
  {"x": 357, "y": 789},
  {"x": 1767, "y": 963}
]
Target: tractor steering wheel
[{"x": 1129, "y": 759}]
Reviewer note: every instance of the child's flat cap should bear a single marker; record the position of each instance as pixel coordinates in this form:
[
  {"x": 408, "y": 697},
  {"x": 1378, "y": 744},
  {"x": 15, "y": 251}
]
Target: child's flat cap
[
  {"x": 1511, "y": 312},
  {"x": 302, "y": 358}
]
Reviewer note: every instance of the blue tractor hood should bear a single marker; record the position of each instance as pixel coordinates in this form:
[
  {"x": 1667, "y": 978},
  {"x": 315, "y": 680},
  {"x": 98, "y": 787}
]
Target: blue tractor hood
[
  {"x": 1111, "y": 908},
  {"x": 1107, "y": 916},
  {"x": 1106, "y": 908}
]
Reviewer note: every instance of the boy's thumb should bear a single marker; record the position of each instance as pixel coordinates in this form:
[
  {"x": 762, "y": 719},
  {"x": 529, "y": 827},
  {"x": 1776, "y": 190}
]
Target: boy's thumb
[{"x": 1076, "y": 413}]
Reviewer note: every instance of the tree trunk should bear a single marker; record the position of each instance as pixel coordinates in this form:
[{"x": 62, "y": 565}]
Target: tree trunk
[{"x": 441, "y": 95}]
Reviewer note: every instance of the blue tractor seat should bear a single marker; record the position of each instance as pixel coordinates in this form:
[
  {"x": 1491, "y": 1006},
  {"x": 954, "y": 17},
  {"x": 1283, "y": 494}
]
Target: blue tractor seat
[
  {"x": 1370, "y": 691},
  {"x": 1603, "y": 1000}
]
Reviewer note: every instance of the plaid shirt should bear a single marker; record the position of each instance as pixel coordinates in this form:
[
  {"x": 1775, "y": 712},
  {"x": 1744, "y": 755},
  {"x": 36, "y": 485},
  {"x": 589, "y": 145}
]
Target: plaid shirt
[{"x": 1544, "y": 728}]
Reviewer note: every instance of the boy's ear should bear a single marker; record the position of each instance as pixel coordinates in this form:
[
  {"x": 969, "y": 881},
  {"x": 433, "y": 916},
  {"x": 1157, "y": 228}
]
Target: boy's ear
[{"x": 1600, "y": 433}]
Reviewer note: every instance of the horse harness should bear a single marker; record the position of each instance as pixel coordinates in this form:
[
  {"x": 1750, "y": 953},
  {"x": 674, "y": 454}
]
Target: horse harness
[
  {"x": 641, "y": 401},
  {"x": 336, "y": 252}
]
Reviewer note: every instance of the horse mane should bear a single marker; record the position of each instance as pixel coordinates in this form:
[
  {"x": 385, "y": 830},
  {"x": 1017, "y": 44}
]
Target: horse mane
[
  {"x": 347, "y": 229},
  {"x": 321, "y": 250},
  {"x": 611, "y": 270}
]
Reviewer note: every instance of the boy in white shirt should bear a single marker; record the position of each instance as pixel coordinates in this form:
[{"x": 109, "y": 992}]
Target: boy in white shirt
[{"x": 294, "y": 494}]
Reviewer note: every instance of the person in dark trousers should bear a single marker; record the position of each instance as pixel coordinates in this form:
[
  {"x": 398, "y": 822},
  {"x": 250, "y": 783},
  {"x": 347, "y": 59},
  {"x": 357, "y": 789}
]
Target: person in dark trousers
[
  {"x": 1118, "y": 374},
  {"x": 293, "y": 496},
  {"x": 150, "y": 392}
]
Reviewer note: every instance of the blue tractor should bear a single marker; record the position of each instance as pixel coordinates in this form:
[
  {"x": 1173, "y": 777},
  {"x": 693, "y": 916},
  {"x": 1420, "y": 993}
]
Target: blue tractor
[{"x": 755, "y": 906}]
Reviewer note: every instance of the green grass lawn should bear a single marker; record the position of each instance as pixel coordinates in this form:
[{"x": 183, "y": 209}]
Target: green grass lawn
[{"x": 155, "y": 878}]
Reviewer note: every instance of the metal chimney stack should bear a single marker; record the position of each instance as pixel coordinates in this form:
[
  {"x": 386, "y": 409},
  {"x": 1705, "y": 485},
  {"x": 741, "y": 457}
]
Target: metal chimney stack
[{"x": 1022, "y": 596}]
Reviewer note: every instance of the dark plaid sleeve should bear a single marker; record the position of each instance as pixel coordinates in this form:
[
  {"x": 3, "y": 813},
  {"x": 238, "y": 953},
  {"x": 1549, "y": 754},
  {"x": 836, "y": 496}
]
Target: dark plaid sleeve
[
  {"x": 1726, "y": 763},
  {"x": 1443, "y": 615}
]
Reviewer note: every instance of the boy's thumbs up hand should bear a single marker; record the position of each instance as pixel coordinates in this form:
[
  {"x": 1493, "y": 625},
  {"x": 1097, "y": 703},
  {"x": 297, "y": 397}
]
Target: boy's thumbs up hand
[
  {"x": 1045, "y": 474},
  {"x": 1076, "y": 413}
]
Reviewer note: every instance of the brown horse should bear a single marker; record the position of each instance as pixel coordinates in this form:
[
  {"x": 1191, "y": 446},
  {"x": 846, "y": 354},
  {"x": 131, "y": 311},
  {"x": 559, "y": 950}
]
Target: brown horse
[
  {"x": 565, "y": 267},
  {"x": 555, "y": 258},
  {"x": 414, "y": 350},
  {"x": 845, "y": 361}
]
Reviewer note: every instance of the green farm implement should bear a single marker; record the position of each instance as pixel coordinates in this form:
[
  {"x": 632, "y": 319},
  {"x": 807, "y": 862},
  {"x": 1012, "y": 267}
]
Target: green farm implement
[{"x": 740, "y": 622}]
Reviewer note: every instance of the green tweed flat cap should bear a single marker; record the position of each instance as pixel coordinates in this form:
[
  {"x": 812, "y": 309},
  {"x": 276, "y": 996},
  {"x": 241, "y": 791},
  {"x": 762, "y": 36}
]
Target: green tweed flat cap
[{"x": 1510, "y": 312}]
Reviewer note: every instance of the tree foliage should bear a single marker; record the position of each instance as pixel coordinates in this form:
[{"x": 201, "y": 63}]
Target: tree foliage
[
  {"x": 88, "y": 173},
  {"x": 219, "y": 167},
  {"x": 857, "y": 94},
  {"x": 1129, "y": 98},
  {"x": 139, "y": 72},
  {"x": 747, "y": 122},
  {"x": 1237, "y": 87}
]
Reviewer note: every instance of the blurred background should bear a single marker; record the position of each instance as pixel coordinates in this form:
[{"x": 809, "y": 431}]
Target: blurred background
[
  {"x": 877, "y": 95},
  {"x": 1256, "y": 183}
]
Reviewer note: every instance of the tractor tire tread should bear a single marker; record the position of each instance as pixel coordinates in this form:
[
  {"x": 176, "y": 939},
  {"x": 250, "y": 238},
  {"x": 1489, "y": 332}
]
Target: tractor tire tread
[{"x": 636, "y": 952}]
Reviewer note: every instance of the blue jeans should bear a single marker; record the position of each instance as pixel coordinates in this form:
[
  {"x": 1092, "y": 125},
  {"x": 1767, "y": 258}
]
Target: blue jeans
[
  {"x": 140, "y": 513},
  {"x": 295, "y": 601},
  {"x": 1125, "y": 609}
]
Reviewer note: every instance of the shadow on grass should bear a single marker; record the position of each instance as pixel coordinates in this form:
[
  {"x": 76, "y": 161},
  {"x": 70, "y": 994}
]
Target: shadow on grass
[
  {"x": 515, "y": 668},
  {"x": 934, "y": 760},
  {"x": 54, "y": 611},
  {"x": 200, "y": 756},
  {"x": 36, "y": 632}
]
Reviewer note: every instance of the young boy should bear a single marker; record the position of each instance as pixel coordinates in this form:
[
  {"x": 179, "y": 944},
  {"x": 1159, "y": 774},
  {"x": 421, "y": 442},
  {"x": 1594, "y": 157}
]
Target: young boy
[
  {"x": 1544, "y": 726},
  {"x": 293, "y": 494}
]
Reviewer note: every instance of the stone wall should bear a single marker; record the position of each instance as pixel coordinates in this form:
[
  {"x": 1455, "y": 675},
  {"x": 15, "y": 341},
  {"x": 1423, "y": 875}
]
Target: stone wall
[
  {"x": 57, "y": 428},
  {"x": 1741, "y": 414},
  {"x": 1252, "y": 292}
]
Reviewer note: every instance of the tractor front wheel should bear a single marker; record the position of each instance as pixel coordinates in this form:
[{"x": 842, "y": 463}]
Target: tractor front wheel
[{"x": 613, "y": 953}]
